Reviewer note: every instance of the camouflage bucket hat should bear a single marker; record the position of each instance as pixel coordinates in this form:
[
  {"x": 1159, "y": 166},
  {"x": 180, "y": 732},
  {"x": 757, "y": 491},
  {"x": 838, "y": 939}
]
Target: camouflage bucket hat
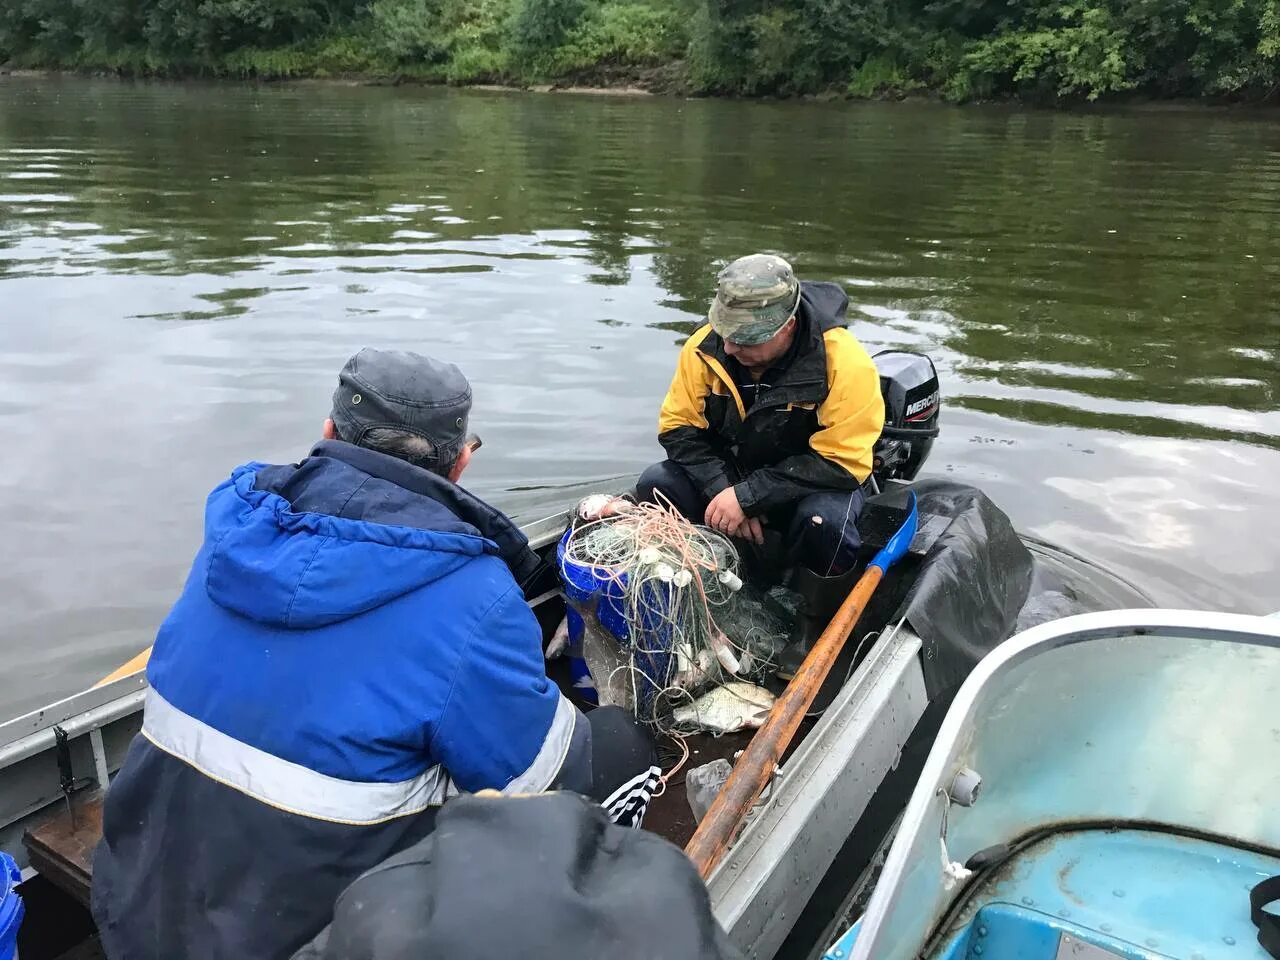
[{"x": 756, "y": 295}]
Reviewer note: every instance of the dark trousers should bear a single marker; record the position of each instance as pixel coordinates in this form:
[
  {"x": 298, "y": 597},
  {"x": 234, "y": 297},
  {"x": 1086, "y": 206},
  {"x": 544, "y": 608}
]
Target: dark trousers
[
  {"x": 624, "y": 765},
  {"x": 819, "y": 531}
]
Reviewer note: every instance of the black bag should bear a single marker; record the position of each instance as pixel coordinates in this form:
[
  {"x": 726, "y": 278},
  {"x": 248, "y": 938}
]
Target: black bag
[{"x": 549, "y": 877}]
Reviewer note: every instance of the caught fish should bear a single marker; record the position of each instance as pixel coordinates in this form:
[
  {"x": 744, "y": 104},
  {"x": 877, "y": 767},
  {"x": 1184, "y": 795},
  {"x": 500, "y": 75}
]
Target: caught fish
[
  {"x": 559, "y": 641},
  {"x": 732, "y": 707},
  {"x": 601, "y": 505}
]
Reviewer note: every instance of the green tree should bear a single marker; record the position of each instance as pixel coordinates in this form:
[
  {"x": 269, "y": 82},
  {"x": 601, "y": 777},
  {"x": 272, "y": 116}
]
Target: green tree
[{"x": 540, "y": 26}]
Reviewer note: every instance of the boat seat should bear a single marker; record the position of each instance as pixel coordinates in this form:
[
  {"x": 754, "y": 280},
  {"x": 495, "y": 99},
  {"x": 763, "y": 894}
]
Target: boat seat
[{"x": 1115, "y": 895}]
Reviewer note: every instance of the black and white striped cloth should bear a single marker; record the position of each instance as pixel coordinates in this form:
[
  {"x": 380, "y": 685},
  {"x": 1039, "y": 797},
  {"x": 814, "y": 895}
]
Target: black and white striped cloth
[
  {"x": 627, "y": 805},
  {"x": 624, "y": 765}
]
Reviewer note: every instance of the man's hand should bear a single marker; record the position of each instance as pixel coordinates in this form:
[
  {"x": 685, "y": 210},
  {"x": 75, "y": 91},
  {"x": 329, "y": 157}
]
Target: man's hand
[
  {"x": 724, "y": 513},
  {"x": 753, "y": 530}
]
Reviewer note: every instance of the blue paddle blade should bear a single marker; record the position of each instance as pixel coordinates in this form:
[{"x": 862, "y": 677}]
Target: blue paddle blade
[{"x": 900, "y": 542}]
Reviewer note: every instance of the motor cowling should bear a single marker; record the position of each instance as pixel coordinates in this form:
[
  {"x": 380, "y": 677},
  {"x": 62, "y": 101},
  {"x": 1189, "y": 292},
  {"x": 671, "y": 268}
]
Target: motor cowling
[{"x": 912, "y": 406}]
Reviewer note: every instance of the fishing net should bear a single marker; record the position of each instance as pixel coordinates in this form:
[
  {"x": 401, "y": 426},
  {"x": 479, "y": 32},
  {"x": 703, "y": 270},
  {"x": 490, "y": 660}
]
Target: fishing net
[{"x": 666, "y": 611}]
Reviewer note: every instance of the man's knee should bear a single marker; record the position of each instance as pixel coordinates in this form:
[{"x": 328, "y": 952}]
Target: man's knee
[
  {"x": 624, "y": 763},
  {"x": 675, "y": 485},
  {"x": 620, "y": 748},
  {"x": 825, "y": 530},
  {"x": 834, "y": 510},
  {"x": 654, "y": 477}
]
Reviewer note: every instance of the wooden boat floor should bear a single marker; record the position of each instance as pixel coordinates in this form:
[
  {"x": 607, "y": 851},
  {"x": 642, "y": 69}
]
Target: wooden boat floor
[
  {"x": 669, "y": 815},
  {"x": 61, "y": 848}
]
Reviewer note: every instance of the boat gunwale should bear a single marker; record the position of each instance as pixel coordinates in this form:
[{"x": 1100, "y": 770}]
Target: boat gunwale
[{"x": 859, "y": 737}]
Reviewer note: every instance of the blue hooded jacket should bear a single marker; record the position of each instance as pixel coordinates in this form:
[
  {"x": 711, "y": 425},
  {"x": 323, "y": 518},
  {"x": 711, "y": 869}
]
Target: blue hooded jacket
[{"x": 349, "y": 650}]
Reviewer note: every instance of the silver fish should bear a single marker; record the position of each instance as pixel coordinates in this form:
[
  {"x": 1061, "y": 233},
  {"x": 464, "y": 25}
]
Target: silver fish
[{"x": 735, "y": 706}]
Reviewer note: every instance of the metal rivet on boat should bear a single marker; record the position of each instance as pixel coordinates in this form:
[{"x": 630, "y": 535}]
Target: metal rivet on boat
[
  {"x": 977, "y": 948},
  {"x": 982, "y": 931},
  {"x": 1105, "y": 928},
  {"x": 1028, "y": 902},
  {"x": 837, "y": 952},
  {"x": 1229, "y": 941}
]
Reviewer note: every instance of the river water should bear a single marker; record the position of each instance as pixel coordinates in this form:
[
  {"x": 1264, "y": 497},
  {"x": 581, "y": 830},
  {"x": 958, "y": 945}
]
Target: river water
[{"x": 184, "y": 268}]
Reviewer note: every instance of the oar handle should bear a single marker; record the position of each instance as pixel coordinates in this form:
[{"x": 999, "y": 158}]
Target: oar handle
[
  {"x": 126, "y": 669},
  {"x": 756, "y": 766}
]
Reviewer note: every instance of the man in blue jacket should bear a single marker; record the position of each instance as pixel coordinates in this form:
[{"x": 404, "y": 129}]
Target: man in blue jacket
[{"x": 352, "y": 647}]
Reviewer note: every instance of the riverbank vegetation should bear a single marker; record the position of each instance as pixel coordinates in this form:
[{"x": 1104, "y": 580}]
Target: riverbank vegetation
[{"x": 1041, "y": 50}]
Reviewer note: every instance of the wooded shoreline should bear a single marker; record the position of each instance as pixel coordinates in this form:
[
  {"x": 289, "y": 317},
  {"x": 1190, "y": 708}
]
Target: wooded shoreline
[{"x": 1041, "y": 51}]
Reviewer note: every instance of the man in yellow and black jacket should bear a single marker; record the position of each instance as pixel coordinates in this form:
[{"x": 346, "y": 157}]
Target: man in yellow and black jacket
[{"x": 771, "y": 417}]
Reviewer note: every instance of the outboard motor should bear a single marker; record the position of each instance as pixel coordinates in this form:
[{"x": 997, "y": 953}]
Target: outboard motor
[{"x": 912, "y": 403}]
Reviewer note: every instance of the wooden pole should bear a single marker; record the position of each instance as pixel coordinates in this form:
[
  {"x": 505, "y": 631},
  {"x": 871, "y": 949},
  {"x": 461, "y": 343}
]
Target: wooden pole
[
  {"x": 756, "y": 766},
  {"x": 133, "y": 666}
]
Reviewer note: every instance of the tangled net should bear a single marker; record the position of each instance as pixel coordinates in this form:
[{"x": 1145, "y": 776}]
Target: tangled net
[{"x": 664, "y": 587}]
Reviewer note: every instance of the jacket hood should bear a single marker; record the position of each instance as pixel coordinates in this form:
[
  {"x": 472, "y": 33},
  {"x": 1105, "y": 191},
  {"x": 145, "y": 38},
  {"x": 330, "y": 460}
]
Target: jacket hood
[
  {"x": 823, "y": 304},
  {"x": 337, "y": 544}
]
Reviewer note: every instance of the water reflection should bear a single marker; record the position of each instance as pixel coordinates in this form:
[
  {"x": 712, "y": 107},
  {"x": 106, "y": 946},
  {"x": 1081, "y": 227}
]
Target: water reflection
[{"x": 183, "y": 268}]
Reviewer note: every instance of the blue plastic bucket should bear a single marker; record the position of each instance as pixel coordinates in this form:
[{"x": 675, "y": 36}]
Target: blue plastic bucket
[
  {"x": 583, "y": 583},
  {"x": 596, "y": 588},
  {"x": 11, "y": 907}
]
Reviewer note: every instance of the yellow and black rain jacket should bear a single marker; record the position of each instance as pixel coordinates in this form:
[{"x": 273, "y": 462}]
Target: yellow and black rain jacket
[{"x": 812, "y": 431}]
